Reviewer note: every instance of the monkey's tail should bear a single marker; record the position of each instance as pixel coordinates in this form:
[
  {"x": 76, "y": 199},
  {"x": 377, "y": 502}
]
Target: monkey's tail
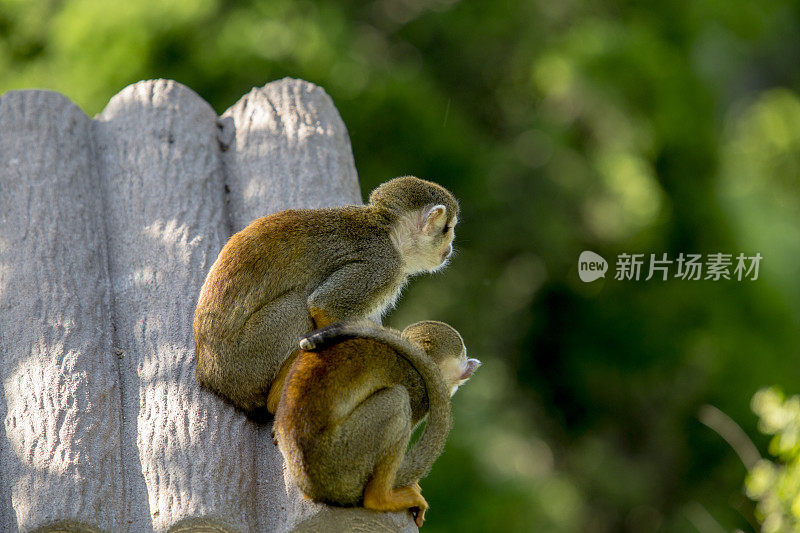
[
  {"x": 343, "y": 330},
  {"x": 419, "y": 459},
  {"x": 327, "y": 336}
]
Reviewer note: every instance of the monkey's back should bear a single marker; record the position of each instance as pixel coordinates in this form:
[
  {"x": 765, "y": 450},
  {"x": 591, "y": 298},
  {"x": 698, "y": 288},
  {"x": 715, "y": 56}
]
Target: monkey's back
[
  {"x": 322, "y": 390},
  {"x": 293, "y": 250},
  {"x": 325, "y": 386}
]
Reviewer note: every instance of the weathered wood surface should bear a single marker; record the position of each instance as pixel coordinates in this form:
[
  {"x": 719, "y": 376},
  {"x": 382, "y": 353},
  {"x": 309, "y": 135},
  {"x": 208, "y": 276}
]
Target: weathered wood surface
[{"x": 107, "y": 229}]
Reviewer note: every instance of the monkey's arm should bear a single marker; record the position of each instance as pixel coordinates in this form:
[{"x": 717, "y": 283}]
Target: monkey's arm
[{"x": 353, "y": 291}]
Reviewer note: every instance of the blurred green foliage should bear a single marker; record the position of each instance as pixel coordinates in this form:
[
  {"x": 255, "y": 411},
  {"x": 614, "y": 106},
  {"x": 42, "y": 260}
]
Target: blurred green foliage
[
  {"x": 776, "y": 485},
  {"x": 612, "y": 126}
]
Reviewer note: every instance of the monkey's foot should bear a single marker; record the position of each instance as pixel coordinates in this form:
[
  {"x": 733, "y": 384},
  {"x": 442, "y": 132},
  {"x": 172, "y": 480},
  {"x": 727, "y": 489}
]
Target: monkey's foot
[
  {"x": 419, "y": 515},
  {"x": 396, "y": 500},
  {"x": 418, "y": 512}
]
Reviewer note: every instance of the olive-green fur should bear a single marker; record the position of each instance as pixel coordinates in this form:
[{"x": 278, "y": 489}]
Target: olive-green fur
[
  {"x": 409, "y": 193},
  {"x": 439, "y": 340},
  {"x": 355, "y": 402},
  {"x": 256, "y": 299}
]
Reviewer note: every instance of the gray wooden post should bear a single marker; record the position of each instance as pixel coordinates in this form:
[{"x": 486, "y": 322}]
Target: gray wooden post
[{"x": 107, "y": 229}]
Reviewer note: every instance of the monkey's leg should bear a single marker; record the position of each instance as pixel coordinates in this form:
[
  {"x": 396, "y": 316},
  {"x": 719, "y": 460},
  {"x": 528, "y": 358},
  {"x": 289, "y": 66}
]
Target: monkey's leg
[
  {"x": 267, "y": 339},
  {"x": 385, "y": 420}
]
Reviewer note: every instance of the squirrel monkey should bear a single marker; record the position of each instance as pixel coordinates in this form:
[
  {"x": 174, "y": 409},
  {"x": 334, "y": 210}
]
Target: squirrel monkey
[
  {"x": 289, "y": 273},
  {"x": 351, "y": 401}
]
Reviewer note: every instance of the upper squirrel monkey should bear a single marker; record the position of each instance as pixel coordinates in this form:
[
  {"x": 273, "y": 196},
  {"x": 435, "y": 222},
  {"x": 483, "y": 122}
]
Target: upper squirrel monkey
[
  {"x": 291, "y": 272},
  {"x": 349, "y": 407}
]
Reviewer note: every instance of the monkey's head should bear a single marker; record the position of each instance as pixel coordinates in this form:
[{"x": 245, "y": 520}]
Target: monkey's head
[
  {"x": 445, "y": 346},
  {"x": 423, "y": 217}
]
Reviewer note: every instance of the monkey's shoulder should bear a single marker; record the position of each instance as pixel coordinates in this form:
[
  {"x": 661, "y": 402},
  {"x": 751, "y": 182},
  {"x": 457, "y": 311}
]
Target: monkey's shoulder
[
  {"x": 314, "y": 233},
  {"x": 360, "y": 363},
  {"x": 352, "y": 219}
]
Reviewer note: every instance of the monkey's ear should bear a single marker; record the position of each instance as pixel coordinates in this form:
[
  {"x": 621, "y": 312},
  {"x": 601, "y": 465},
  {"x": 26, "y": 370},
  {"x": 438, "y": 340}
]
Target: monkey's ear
[{"x": 434, "y": 219}]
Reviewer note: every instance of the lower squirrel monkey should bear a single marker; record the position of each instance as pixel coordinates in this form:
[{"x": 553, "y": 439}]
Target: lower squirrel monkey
[
  {"x": 289, "y": 273},
  {"x": 349, "y": 406}
]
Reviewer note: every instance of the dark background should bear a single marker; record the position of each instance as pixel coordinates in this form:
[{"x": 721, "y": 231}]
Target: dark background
[{"x": 562, "y": 126}]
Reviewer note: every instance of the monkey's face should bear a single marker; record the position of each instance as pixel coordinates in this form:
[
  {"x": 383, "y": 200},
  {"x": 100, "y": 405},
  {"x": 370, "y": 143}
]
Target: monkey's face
[
  {"x": 448, "y": 235},
  {"x": 425, "y": 239},
  {"x": 440, "y": 244}
]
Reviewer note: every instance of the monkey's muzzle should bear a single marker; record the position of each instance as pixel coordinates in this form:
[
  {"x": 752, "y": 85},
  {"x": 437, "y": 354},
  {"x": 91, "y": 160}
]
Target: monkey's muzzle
[
  {"x": 447, "y": 253},
  {"x": 471, "y": 366}
]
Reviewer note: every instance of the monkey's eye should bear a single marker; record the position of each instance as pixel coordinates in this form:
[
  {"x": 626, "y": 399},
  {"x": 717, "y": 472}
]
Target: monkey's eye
[{"x": 446, "y": 229}]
